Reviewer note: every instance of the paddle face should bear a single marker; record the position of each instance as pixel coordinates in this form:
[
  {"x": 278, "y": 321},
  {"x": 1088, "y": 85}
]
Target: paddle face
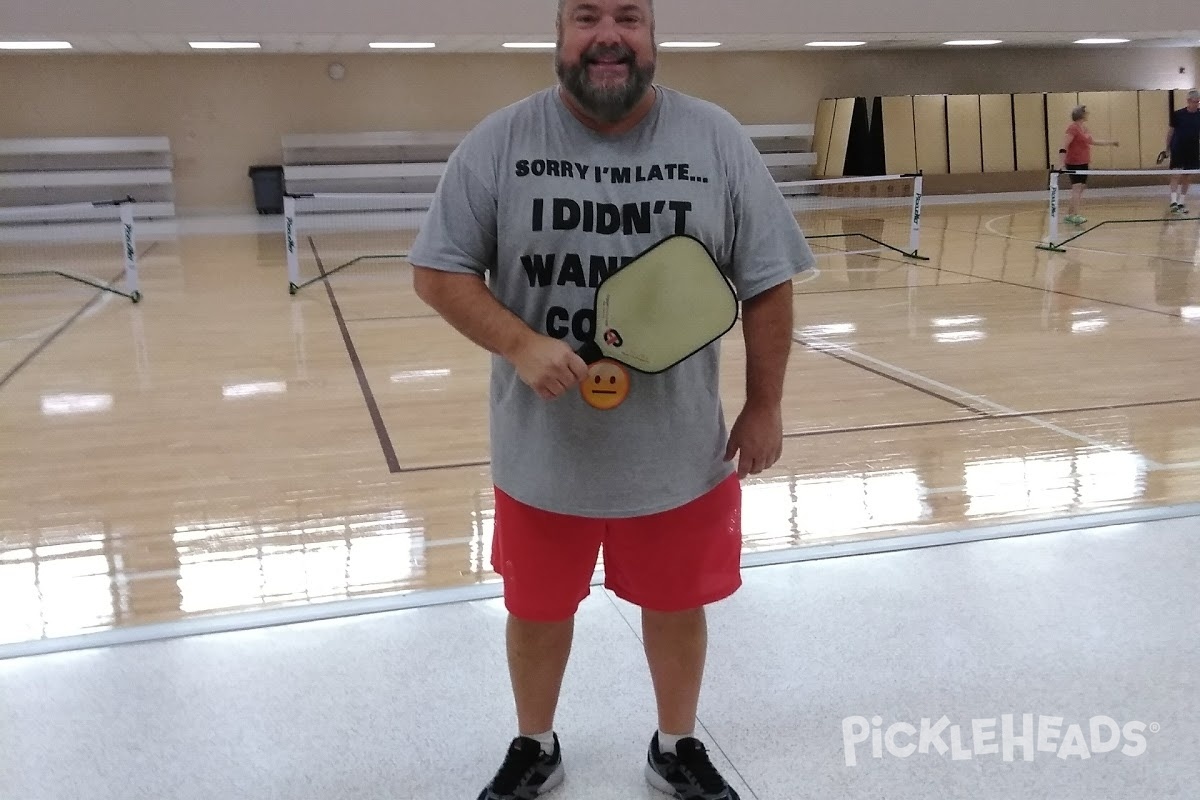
[{"x": 665, "y": 305}]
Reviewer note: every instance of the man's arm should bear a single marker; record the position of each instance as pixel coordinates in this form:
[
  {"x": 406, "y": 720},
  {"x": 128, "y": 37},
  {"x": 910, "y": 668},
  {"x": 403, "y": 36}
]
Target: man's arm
[
  {"x": 767, "y": 330},
  {"x": 465, "y": 301},
  {"x": 547, "y": 365},
  {"x": 757, "y": 434}
]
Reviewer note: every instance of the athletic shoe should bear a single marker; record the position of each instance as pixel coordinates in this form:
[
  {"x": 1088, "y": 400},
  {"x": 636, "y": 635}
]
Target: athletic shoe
[
  {"x": 526, "y": 773},
  {"x": 1175, "y": 207},
  {"x": 686, "y": 774}
]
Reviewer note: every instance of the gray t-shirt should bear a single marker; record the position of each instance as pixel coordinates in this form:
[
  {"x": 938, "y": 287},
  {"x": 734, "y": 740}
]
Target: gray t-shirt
[{"x": 545, "y": 207}]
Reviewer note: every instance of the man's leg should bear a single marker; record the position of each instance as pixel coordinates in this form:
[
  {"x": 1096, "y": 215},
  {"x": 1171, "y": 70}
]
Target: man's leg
[
  {"x": 546, "y": 561},
  {"x": 672, "y": 565},
  {"x": 537, "y": 660},
  {"x": 676, "y": 645}
]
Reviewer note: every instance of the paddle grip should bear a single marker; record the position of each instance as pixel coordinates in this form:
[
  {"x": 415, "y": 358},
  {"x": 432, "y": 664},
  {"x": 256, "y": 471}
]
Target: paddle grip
[{"x": 590, "y": 352}]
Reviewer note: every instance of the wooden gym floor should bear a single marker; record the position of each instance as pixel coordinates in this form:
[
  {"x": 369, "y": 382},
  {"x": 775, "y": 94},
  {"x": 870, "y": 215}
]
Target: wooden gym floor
[{"x": 224, "y": 447}]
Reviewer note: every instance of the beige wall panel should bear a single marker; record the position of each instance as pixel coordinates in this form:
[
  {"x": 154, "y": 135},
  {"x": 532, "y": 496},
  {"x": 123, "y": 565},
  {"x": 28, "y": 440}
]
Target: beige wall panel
[
  {"x": 822, "y": 128},
  {"x": 1029, "y": 127},
  {"x": 839, "y": 140},
  {"x": 963, "y": 134},
  {"x": 996, "y": 124},
  {"x": 1124, "y": 126},
  {"x": 929, "y": 115},
  {"x": 899, "y": 135}
]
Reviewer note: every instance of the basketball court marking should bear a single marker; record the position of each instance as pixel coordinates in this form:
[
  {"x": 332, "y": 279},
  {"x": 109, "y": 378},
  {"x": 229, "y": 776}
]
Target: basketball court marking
[
  {"x": 988, "y": 226},
  {"x": 981, "y": 406},
  {"x": 48, "y": 329},
  {"x": 58, "y": 331}
]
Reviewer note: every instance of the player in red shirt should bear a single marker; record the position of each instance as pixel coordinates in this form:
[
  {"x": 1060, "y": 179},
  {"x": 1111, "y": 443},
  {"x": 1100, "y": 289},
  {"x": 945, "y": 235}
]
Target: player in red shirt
[{"x": 1076, "y": 154}]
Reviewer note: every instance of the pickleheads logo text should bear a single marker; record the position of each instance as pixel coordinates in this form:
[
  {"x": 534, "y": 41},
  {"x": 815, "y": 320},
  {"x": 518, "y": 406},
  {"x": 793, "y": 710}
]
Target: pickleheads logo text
[{"x": 1001, "y": 737}]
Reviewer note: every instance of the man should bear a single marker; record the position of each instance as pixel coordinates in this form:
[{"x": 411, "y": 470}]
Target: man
[
  {"x": 1183, "y": 143},
  {"x": 542, "y": 200}
]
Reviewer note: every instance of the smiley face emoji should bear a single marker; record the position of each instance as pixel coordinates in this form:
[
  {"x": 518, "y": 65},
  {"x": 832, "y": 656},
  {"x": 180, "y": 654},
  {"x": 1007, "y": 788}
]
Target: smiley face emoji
[{"x": 606, "y": 385}]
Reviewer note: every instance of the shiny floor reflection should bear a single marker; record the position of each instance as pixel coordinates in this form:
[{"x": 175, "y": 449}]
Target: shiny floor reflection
[{"x": 215, "y": 448}]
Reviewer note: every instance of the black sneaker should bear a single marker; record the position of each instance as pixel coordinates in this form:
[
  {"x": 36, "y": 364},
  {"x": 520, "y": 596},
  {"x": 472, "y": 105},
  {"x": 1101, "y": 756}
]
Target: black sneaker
[
  {"x": 686, "y": 774},
  {"x": 526, "y": 773}
]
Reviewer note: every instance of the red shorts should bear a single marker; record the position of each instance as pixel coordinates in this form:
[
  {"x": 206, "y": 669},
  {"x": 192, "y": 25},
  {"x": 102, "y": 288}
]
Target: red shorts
[{"x": 674, "y": 560}]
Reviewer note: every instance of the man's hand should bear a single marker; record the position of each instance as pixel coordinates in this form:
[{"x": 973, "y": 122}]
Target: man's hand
[
  {"x": 547, "y": 365},
  {"x": 758, "y": 436}
]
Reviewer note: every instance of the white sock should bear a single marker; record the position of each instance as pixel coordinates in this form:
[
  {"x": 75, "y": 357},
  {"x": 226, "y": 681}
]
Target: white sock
[
  {"x": 668, "y": 741},
  {"x": 1174, "y": 197},
  {"x": 546, "y": 740}
]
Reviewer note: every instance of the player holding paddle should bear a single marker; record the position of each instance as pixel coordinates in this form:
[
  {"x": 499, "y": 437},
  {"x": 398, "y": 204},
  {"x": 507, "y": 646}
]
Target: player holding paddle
[{"x": 537, "y": 207}]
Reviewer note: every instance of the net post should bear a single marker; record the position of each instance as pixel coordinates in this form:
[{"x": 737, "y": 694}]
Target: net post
[
  {"x": 289, "y": 233},
  {"x": 1052, "y": 236},
  {"x": 129, "y": 245},
  {"x": 914, "y": 240}
]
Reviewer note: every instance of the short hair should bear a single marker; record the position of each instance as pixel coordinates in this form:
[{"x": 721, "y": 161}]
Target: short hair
[
  {"x": 1077, "y": 113},
  {"x": 562, "y": 4},
  {"x": 1193, "y": 95}
]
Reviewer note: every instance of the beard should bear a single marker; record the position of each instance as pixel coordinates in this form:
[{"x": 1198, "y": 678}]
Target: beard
[{"x": 609, "y": 102}]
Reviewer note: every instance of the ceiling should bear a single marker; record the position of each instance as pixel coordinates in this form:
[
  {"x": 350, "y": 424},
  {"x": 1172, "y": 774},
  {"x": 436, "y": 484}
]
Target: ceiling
[{"x": 345, "y": 44}]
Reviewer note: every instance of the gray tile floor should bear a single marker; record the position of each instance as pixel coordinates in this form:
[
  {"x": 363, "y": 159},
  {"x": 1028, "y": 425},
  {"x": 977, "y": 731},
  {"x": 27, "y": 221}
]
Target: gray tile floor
[{"x": 415, "y": 705}]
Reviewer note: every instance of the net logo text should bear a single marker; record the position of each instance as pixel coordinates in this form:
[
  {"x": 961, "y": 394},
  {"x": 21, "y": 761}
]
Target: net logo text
[{"x": 1002, "y": 737}]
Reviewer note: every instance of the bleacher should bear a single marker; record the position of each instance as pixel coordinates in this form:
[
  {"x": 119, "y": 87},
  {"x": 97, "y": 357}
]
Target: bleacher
[
  {"x": 54, "y": 179},
  {"x": 406, "y": 165}
]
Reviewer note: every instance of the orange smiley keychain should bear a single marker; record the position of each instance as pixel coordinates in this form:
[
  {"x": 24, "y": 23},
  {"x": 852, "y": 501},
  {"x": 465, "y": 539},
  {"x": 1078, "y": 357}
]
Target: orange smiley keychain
[{"x": 606, "y": 385}]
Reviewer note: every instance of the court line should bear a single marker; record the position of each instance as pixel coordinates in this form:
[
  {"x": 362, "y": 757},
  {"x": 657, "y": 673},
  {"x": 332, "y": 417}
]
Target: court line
[
  {"x": 398, "y": 316},
  {"x": 890, "y": 426},
  {"x": 493, "y": 588},
  {"x": 799, "y": 339},
  {"x": 989, "y": 229},
  {"x": 988, "y": 407},
  {"x": 1174, "y": 315},
  {"x": 100, "y": 294},
  {"x": 385, "y": 440},
  {"x": 894, "y": 288},
  {"x": 1004, "y": 282}
]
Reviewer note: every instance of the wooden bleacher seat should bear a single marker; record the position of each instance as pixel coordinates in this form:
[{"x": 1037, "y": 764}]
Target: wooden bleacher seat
[{"x": 38, "y": 176}]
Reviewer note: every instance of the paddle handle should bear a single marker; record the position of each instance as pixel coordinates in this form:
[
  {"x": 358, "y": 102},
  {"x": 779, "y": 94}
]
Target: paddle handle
[{"x": 590, "y": 352}]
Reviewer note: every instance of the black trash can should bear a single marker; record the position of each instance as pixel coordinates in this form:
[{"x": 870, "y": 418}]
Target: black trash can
[{"x": 268, "y": 188}]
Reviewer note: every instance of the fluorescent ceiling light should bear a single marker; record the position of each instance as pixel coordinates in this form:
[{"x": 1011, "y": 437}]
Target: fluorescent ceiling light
[
  {"x": 971, "y": 42},
  {"x": 35, "y": 45},
  {"x": 224, "y": 45},
  {"x": 528, "y": 45},
  {"x": 835, "y": 44},
  {"x": 689, "y": 44},
  {"x": 402, "y": 45},
  {"x": 1101, "y": 41}
]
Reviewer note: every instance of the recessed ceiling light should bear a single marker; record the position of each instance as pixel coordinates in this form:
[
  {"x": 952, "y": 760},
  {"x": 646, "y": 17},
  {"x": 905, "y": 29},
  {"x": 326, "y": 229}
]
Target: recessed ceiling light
[
  {"x": 402, "y": 45},
  {"x": 35, "y": 45},
  {"x": 835, "y": 44},
  {"x": 971, "y": 42},
  {"x": 528, "y": 45},
  {"x": 1101, "y": 41},
  {"x": 224, "y": 45},
  {"x": 689, "y": 44}
]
